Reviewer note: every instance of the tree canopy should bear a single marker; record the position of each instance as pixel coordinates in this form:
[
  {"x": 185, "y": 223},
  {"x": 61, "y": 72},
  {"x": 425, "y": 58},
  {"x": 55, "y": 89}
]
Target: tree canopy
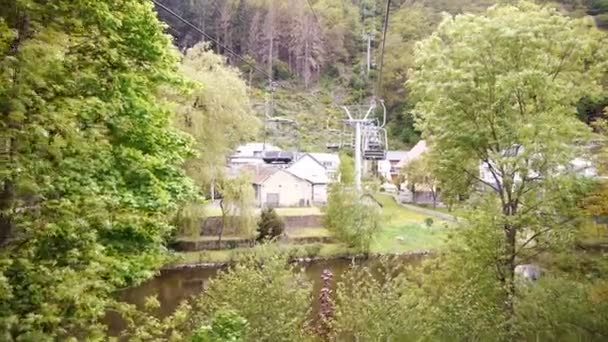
[{"x": 497, "y": 97}]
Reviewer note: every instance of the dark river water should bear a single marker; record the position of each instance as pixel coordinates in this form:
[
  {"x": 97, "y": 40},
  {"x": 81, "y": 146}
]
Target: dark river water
[{"x": 176, "y": 285}]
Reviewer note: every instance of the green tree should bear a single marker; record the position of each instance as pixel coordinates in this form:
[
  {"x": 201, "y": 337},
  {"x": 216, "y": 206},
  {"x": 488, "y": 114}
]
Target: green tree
[
  {"x": 351, "y": 218},
  {"x": 273, "y": 299},
  {"x": 91, "y": 171},
  {"x": 496, "y": 90},
  {"x": 270, "y": 225},
  {"x": 346, "y": 170},
  {"x": 419, "y": 173},
  {"x": 215, "y": 111},
  {"x": 237, "y": 205}
]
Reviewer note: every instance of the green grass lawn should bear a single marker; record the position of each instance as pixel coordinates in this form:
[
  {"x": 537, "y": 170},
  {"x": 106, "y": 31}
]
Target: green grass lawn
[
  {"x": 309, "y": 232},
  {"x": 443, "y": 210},
  {"x": 403, "y": 231}
]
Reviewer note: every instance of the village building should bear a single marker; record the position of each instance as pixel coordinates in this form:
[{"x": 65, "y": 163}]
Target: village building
[
  {"x": 330, "y": 161},
  {"x": 250, "y": 153},
  {"x": 309, "y": 168},
  {"x": 276, "y": 187},
  {"x": 581, "y": 166},
  {"x": 388, "y": 168}
]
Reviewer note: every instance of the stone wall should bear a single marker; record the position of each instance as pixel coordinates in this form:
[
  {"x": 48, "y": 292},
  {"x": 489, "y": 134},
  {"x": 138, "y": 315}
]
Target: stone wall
[
  {"x": 212, "y": 225},
  {"x": 211, "y": 245}
]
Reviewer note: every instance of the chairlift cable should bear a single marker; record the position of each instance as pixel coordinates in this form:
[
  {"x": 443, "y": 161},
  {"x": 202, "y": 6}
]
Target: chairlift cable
[
  {"x": 385, "y": 28},
  {"x": 204, "y": 34}
]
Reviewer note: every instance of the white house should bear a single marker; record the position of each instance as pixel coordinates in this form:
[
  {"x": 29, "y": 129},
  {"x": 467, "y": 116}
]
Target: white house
[
  {"x": 396, "y": 160},
  {"x": 250, "y": 153},
  {"x": 330, "y": 161},
  {"x": 387, "y": 168},
  {"x": 413, "y": 154},
  {"x": 580, "y": 166},
  {"x": 309, "y": 168},
  {"x": 276, "y": 187}
]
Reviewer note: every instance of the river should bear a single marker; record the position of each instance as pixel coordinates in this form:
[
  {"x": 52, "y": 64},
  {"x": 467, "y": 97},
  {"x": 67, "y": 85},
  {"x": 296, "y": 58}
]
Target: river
[{"x": 172, "y": 286}]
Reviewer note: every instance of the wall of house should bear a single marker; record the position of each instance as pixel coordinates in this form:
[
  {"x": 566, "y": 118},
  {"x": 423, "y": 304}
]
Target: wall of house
[
  {"x": 319, "y": 193},
  {"x": 308, "y": 168},
  {"x": 292, "y": 190}
]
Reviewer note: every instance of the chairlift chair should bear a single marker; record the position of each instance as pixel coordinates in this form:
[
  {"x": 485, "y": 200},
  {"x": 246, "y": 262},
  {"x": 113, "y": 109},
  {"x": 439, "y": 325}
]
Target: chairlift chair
[
  {"x": 277, "y": 157},
  {"x": 374, "y": 143}
]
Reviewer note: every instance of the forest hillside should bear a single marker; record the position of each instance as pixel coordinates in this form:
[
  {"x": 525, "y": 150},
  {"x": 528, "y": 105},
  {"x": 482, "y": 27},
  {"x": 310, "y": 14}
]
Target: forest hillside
[{"x": 316, "y": 53}]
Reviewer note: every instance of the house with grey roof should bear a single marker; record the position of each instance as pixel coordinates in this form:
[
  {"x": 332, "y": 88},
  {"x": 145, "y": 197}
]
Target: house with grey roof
[{"x": 277, "y": 187}]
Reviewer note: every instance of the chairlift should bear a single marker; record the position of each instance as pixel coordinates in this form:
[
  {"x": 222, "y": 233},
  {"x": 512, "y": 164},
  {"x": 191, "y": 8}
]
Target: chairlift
[
  {"x": 375, "y": 143},
  {"x": 277, "y": 157}
]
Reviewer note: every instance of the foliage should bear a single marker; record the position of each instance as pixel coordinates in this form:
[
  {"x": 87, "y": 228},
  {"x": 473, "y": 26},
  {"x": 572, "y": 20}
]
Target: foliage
[
  {"x": 226, "y": 326},
  {"x": 346, "y": 170},
  {"x": 215, "y": 111},
  {"x": 374, "y": 306},
  {"x": 419, "y": 173},
  {"x": 350, "y": 218},
  {"x": 562, "y": 309},
  {"x": 92, "y": 170},
  {"x": 273, "y": 298},
  {"x": 496, "y": 91},
  {"x": 270, "y": 225},
  {"x": 237, "y": 203}
]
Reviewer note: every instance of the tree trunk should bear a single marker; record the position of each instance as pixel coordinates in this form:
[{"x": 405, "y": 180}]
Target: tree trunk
[
  {"x": 509, "y": 282},
  {"x": 413, "y": 190},
  {"x": 6, "y": 203},
  {"x": 7, "y": 194},
  {"x": 219, "y": 240}
]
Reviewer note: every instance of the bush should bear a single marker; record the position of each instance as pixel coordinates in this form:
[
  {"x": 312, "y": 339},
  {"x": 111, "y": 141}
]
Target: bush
[
  {"x": 273, "y": 299},
  {"x": 350, "y": 218},
  {"x": 281, "y": 70},
  {"x": 313, "y": 250},
  {"x": 428, "y": 221},
  {"x": 270, "y": 225},
  {"x": 226, "y": 326}
]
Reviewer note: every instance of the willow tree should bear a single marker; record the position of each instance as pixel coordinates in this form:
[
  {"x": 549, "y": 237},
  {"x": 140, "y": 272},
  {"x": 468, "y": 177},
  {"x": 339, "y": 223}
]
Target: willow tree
[
  {"x": 237, "y": 205},
  {"x": 215, "y": 111},
  {"x": 92, "y": 170},
  {"x": 499, "y": 91}
]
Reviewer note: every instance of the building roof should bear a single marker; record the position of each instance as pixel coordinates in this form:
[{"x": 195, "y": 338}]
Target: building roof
[
  {"x": 310, "y": 175},
  {"x": 333, "y": 158},
  {"x": 396, "y": 155},
  {"x": 414, "y": 153},
  {"x": 253, "y": 149},
  {"x": 260, "y": 173}
]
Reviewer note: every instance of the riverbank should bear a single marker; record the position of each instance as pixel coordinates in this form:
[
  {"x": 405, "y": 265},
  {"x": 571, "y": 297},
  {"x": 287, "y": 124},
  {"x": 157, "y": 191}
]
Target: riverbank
[{"x": 404, "y": 231}]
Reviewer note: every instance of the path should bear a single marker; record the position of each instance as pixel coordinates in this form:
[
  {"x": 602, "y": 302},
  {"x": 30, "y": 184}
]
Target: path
[{"x": 429, "y": 212}]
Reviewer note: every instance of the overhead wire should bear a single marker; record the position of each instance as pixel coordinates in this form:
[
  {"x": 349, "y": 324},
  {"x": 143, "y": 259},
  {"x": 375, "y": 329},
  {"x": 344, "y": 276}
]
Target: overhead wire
[
  {"x": 384, "y": 29},
  {"x": 204, "y": 34}
]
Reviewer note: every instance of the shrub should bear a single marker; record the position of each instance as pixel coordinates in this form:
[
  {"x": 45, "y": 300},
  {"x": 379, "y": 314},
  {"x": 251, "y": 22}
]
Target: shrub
[
  {"x": 273, "y": 299},
  {"x": 351, "y": 218},
  {"x": 428, "y": 221},
  {"x": 270, "y": 225},
  {"x": 313, "y": 250},
  {"x": 226, "y": 326}
]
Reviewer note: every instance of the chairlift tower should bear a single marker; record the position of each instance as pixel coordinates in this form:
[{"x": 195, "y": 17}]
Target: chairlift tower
[{"x": 371, "y": 128}]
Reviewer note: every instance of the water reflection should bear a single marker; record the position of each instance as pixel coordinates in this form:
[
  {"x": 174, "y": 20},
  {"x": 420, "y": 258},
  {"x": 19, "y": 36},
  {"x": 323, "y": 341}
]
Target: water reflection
[{"x": 174, "y": 286}]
